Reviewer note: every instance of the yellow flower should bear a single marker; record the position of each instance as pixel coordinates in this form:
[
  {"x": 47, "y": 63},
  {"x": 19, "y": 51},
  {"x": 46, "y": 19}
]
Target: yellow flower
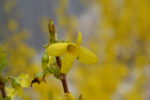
[
  {"x": 11, "y": 92},
  {"x": 70, "y": 52},
  {"x": 68, "y": 96},
  {"x": 23, "y": 80}
]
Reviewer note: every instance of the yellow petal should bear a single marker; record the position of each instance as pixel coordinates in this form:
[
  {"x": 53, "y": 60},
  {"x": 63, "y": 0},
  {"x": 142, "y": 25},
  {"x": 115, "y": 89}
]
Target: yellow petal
[
  {"x": 67, "y": 62},
  {"x": 79, "y": 39},
  {"x": 11, "y": 92},
  {"x": 73, "y": 49},
  {"x": 86, "y": 56},
  {"x": 25, "y": 80},
  {"x": 57, "y": 49},
  {"x": 68, "y": 96}
]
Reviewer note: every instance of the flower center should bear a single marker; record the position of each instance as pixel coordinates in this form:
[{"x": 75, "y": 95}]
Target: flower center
[{"x": 72, "y": 49}]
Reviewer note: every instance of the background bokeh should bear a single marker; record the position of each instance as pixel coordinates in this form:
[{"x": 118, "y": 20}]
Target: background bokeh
[{"x": 118, "y": 31}]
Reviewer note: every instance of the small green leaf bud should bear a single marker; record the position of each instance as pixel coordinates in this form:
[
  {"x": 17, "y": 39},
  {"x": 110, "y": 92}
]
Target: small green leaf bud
[{"x": 45, "y": 58}]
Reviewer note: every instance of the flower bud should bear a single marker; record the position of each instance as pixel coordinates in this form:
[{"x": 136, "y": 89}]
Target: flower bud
[{"x": 45, "y": 58}]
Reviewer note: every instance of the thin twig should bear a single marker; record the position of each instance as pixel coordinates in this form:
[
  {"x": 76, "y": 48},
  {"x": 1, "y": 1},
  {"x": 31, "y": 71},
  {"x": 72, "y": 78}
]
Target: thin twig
[
  {"x": 64, "y": 81},
  {"x": 53, "y": 38},
  {"x": 2, "y": 89}
]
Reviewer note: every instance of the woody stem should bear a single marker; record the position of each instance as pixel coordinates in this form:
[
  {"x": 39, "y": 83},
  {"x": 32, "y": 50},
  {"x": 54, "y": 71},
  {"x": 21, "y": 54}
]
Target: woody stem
[
  {"x": 64, "y": 81},
  {"x": 2, "y": 89},
  {"x": 53, "y": 39}
]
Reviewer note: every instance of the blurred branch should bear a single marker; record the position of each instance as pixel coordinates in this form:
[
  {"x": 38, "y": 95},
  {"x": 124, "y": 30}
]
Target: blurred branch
[{"x": 2, "y": 88}]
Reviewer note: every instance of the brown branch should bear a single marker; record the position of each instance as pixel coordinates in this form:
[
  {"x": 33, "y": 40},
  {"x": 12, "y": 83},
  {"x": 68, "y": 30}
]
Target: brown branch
[
  {"x": 64, "y": 81},
  {"x": 65, "y": 85},
  {"x": 2, "y": 89},
  {"x": 53, "y": 38}
]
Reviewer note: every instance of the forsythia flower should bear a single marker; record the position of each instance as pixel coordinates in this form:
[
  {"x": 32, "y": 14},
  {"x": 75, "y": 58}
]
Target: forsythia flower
[
  {"x": 24, "y": 80},
  {"x": 11, "y": 92},
  {"x": 68, "y": 96},
  {"x": 70, "y": 52}
]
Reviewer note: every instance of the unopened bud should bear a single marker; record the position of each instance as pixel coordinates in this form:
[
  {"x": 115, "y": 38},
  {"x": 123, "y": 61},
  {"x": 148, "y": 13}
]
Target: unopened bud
[
  {"x": 45, "y": 58},
  {"x": 51, "y": 31}
]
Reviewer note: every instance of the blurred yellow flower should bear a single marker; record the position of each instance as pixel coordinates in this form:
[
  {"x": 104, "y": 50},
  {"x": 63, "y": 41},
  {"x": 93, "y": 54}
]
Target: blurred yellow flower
[
  {"x": 11, "y": 92},
  {"x": 23, "y": 80},
  {"x": 68, "y": 96},
  {"x": 12, "y": 25},
  {"x": 72, "y": 51},
  {"x": 9, "y": 5}
]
